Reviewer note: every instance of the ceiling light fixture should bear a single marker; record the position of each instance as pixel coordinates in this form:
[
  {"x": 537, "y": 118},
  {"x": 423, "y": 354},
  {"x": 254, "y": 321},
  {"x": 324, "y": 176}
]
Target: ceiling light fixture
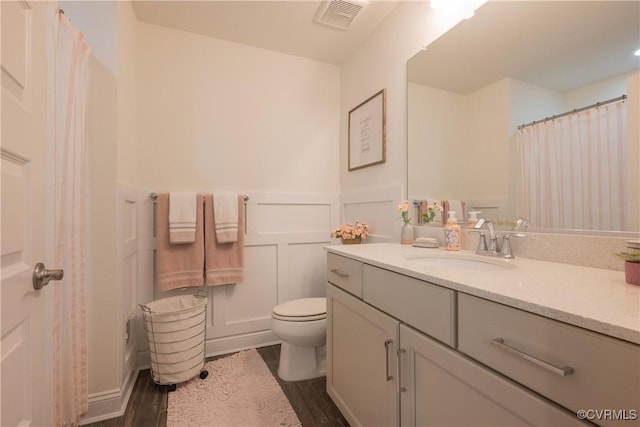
[
  {"x": 464, "y": 8},
  {"x": 637, "y": 52}
]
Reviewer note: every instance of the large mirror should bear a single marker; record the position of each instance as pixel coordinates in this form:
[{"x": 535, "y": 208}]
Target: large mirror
[{"x": 512, "y": 63}]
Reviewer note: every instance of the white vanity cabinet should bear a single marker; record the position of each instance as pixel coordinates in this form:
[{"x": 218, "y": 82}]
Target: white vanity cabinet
[
  {"x": 392, "y": 358},
  {"x": 441, "y": 387},
  {"x": 578, "y": 369},
  {"x": 361, "y": 360}
]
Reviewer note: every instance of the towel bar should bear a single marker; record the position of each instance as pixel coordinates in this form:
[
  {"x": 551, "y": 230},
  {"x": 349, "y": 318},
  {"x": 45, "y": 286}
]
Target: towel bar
[{"x": 154, "y": 196}]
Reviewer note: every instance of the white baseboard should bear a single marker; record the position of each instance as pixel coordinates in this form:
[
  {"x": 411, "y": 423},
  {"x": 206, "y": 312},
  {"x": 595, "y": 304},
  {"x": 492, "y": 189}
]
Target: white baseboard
[
  {"x": 109, "y": 404},
  {"x": 240, "y": 342},
  {"x": 113, "y": 403}
]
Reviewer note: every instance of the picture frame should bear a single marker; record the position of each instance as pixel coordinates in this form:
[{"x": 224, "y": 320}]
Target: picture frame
[{"x": 367, "y": 132}]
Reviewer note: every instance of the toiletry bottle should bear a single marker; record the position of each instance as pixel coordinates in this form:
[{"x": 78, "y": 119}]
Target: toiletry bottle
[
  {"x": 473, "y": 218},
  {"x": 452, "y": 233}
]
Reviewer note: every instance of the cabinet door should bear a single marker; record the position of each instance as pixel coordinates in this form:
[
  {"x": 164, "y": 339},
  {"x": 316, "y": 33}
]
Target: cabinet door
[
  {"x": 361, "y": 360},
  {"x": 444, "y": 388}
]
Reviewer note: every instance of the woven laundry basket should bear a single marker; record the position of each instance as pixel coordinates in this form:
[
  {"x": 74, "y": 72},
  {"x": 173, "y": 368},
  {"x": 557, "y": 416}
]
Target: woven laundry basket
[{"x": 176, "y": 331}]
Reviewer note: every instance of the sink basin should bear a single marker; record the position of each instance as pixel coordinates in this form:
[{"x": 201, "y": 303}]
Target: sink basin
[{"x": 463, "y": 262}]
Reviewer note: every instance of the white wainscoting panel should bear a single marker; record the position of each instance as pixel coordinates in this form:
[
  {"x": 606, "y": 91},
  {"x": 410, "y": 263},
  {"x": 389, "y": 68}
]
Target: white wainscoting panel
[
  {"x": 495, "y": 209},
  {"x": 246, "y": 307},
  {"x": 112, "y": 403},
  {"x": 284, "y": 260},
  {"x": 291, "y": 217},
  {"x": 128, "y": 277},
  {"x": 378, "y": 208},
  {"x": 306, "y": 268}
]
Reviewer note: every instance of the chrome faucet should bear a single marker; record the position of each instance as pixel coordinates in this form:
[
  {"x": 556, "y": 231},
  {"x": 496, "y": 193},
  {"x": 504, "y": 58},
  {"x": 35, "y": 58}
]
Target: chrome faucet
[
  {"x": 492, "y": 249},
  {"x": 507, "y": 252}
]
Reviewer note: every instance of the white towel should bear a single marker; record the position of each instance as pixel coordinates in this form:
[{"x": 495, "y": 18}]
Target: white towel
[
  {"x": 182, "y": 217},
  {"x": 225, "y": 217}
]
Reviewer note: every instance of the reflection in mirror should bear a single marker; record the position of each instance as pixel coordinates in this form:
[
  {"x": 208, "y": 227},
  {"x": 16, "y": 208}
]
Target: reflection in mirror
[{"x": 518, "y": 62}]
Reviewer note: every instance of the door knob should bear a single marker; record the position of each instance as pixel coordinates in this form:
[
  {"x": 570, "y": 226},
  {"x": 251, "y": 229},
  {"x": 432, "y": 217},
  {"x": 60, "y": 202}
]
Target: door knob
[{"x": 42, "y": 276}]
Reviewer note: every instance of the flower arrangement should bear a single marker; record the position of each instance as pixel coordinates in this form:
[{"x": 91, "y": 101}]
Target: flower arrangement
[
  {"x": 431, "y": 212},
  {"x": 404, "y": 212},
  {"x": 359, "y": 231}
]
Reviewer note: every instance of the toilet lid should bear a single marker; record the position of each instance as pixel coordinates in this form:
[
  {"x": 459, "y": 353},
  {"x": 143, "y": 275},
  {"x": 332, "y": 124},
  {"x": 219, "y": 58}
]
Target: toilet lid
[{"x": 304, "y": 307}]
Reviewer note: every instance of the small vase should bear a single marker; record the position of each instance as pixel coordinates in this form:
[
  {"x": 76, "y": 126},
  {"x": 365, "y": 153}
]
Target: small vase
[
  {"x": 406, "y": 234},
  {"x": 632, "y": 272},
  {"x": 355, "y": 241}
]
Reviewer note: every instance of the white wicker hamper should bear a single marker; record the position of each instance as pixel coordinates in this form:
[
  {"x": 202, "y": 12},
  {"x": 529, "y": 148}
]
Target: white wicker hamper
[{"x": 176, "y": 331}]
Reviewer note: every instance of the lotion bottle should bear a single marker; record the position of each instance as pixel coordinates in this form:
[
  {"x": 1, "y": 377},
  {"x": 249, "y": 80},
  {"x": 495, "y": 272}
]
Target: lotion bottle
[
  {"x": 473, "y": 218},
  {"x": 452, "y": 233}
]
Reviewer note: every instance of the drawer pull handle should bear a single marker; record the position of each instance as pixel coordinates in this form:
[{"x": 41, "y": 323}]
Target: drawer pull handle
[
  {"x": 340, "y": 273},
  {"x": 563, "y": 372},
  {"x": 399, "y": 388},
  {"x": 387, "y": 344}
]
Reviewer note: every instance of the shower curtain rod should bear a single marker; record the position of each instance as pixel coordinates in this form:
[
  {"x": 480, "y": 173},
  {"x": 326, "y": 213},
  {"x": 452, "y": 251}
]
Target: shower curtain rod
[
  {"x": 154, "y": 196},
  {"x": 577, "y": 110}
]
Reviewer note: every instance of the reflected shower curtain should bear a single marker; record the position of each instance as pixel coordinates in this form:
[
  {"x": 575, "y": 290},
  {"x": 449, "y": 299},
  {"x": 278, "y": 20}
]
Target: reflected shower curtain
[
  {"x": 574, "y": 170},
  {"x": 68, "y": 55}
]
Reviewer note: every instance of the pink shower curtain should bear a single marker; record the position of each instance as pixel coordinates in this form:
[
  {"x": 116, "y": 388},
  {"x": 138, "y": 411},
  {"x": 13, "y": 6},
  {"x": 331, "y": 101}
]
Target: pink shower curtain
[
  {"x": 68, "y": 55},
  {"x": 574, "y": 170}
]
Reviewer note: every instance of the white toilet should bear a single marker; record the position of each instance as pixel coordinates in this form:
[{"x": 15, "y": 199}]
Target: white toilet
[{"x": 301, "y": 324}]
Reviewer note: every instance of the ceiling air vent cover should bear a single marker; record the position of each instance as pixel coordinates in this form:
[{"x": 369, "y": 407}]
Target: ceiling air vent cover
[{"x": 338, "y": 13}]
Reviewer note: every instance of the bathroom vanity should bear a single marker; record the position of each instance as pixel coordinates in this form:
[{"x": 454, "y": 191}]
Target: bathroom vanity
[{"x": 426, "y": 337}]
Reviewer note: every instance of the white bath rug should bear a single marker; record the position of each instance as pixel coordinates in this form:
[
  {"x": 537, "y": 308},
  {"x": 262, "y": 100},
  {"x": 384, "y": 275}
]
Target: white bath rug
[{"x": 239, "y": 391}]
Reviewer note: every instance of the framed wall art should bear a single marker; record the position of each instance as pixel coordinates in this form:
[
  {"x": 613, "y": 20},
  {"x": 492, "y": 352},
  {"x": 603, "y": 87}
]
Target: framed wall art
[{"x": 367, "y": 132}]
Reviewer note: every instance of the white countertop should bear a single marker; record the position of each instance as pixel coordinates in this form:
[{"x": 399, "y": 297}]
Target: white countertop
[{"x": 591, "y": 298}]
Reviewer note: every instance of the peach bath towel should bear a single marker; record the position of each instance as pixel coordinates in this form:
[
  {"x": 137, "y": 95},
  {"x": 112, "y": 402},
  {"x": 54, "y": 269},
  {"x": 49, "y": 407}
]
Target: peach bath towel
[
  {"x": 224, "y": 262},
  {"x": 178, "y": 266}
]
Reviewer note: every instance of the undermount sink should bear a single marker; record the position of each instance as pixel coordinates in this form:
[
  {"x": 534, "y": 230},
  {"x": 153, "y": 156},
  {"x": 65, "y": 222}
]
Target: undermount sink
[{"x": 463, "y": 262}]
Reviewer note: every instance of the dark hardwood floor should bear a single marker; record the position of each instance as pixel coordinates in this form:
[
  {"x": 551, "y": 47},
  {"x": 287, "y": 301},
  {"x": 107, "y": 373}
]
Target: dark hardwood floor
[{"x": 148, "y": 403}]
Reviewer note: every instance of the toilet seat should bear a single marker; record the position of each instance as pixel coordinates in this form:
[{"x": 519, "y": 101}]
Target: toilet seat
[{"x": 301, "y": 310}]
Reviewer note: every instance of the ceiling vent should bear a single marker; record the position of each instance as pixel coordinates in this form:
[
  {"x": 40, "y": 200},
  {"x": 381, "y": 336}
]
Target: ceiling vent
[{"x": 338, "y": 13}]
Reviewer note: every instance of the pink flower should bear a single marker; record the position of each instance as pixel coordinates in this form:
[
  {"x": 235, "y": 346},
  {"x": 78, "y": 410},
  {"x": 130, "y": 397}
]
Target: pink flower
[
  {"x": 350, "y": 231},
  {"x": 404, "y": 212}
]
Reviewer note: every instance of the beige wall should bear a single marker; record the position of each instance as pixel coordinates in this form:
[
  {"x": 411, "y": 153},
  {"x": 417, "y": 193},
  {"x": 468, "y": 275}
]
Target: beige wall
[
  {"x": 633, "y": 112},
  {"x": 110, "y": 137},
  {"x": 103, "y": 331},
  {"x": 459, "y": 144},
  {"x": 381, "y": 63},
  {"x": 127, "y": 94},
  {"x": 215, "y": 115},
  {"x": 98, "y": 20}
]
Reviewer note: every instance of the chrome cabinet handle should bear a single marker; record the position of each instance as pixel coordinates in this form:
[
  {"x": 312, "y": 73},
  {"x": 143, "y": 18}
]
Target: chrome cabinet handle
[
  {"x": 42, "y": 276},
  {"x": 387, "y": 344},
  {"x": 563, "y": 372},
  {"x": 399, "y": 387},
  {"x": 339, "y": 273}
]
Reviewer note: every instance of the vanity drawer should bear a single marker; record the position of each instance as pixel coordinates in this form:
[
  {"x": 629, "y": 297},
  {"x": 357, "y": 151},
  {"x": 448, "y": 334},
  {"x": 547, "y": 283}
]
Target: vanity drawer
[
  {"x": 605, "y": 371},
  {"x": 345, "y": 273},
  {"x": 426, "y": 307}
]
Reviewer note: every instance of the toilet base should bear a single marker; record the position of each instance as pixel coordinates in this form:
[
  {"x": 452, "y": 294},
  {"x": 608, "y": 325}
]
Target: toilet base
[{"x": 302, "y": 363}]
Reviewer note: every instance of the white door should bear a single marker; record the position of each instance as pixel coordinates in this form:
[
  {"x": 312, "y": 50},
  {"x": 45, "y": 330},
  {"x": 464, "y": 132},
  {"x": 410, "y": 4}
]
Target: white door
[{"x": 25, "y": 366}]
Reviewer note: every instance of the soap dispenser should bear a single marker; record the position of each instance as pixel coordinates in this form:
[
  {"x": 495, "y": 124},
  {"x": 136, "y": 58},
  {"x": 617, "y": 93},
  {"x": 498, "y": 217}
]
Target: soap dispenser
[
  {"x": 473, "y": 218},
  {"x": 452, "y": 233}
]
